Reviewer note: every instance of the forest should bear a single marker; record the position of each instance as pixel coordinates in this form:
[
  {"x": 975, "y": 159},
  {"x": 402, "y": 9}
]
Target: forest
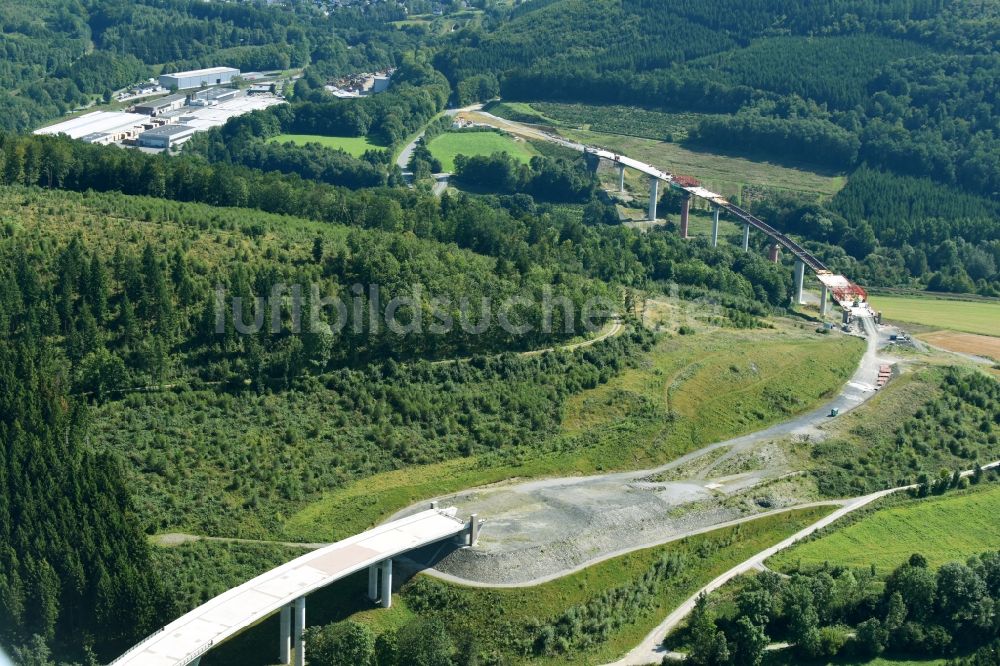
[
  {"x": 544, "y": 178},
  {"x": 912, "y": 83},
  {"x": 504, "y": 228},
  {"x": 110, "y": 260},
  {"x": 891, "y": 230},
  {"x": 75, "y": 569},
  {"x": 842, "y": 612}
]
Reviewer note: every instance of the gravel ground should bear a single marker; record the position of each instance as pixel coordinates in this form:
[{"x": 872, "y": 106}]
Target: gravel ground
[{"x": 539, "y": 529}]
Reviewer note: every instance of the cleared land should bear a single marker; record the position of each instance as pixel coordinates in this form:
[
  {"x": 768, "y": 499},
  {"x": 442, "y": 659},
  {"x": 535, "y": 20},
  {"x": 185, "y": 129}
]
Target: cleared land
[
  {"x": 612, "y": 119},
  {"x": 965, "y": 343},
  {"x": 689, "y": 391},
  {"x": 728, "y": 175},
  {"x": 732, "y": 176},
  {"x": 964, "y": 316},
  {"x": 354, "y": 145},
  {"x": 449, "y": 145},
  {"x": 943, "y": 529}
]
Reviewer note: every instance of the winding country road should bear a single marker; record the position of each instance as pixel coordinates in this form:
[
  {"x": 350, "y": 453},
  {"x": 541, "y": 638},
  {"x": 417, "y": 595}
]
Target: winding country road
[{"x": 651, "y": 650}]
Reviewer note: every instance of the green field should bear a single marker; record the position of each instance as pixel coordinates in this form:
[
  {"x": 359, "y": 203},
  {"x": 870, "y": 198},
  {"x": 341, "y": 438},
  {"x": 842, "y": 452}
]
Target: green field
[
  {"x": 728, "y": 175},
  {"x": 943, "y": 529},
  {"x": 966, "y": 316},
  {"x": 447, "y": 146},
  {"x": 689, "y": 391},
  {"x": 500, "y": 618},
  {"x": 354, "y": 145},
  {"x": 640, "y": 134},
  {"x": 610, "y": 119}
]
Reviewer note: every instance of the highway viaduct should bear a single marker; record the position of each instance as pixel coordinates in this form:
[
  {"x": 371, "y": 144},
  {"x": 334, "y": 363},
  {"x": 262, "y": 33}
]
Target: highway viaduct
[
  {"x": 843, "y": 290},
  {"x": 284, "y": 589}
]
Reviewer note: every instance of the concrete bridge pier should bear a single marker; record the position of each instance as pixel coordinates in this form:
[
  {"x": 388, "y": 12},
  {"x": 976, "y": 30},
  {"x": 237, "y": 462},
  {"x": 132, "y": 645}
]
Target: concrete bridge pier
[
  {"x": 373, "y": 582},
  {"x": 621, "y": 177},
  {"x": 746, "y": 238},
  {"x": 473, "y": 529},
  {"x": 285, "y": 645},
  {"x": 800, "y": 274},
  {"x": 654, "y": 192},
  {"x": 823, "y": 300},
  {"x": 387, "y": 583},
  {"x": 715, "y": 226},
  {"x": 774, "y": 254},
  {"x": 300, "y": 631},
  {"x": 685, "y": 213}
]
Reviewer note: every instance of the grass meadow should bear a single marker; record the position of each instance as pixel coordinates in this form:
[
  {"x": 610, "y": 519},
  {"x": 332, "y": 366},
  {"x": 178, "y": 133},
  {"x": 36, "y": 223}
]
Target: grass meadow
[
  {"x": 943, "y": 529},
  {"x": 353, "y": 145},
  {"x": 641, "y": 133},
  {"x": 971, "y": 316},
  {"x": 689, "y": 392},
  {"x": 730, "y": 175},
  {"x": 446, "y": 147}
]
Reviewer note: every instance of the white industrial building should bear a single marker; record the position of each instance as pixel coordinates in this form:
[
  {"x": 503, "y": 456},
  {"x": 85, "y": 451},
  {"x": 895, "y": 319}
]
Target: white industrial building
[
  {"x": 198, "y": 78},
  {"x": 166, "y": 136},
  {"x": 99, "y": 126},
  {"x": 160, "y": 106}
]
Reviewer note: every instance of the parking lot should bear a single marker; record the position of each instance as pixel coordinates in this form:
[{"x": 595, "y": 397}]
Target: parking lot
[{"x": 206, "y": 117}]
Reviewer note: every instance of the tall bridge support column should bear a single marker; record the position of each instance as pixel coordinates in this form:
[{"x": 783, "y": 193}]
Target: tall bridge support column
[
  {"x": 300, "y": 631},
  {"x": 387, "y": 583},
  {"x": 774, "y": 254},
  {"x": 373, "y": 582},
  {"x": 685, "y": 212},
  {"x": 621, "y": 177},
  {"x": 800, "y": 275},
  {"x": 654, "y": 193},
  {"x": 746, "y": 238},
  {"x": 715, "y": 226},
  {"x": 473, "y": 529},
  {"x": 823, "y": 298},
  {"x": 285, "y": 643}
]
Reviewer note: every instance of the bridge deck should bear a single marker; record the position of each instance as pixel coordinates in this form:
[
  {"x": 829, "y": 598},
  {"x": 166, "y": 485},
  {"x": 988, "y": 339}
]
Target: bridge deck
[{"x": 194, "y": 633}]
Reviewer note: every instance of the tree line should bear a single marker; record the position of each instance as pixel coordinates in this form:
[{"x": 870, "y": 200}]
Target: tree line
[
  {"x": 545, "y": 178},
  {"x": 891, "y": 230},
  {"x": 415, "y": 95},
  {"x": 498, "y": 227}
]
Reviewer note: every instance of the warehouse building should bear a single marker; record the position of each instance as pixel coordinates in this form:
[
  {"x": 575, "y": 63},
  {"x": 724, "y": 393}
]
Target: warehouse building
[
  {"x": 110, "y": 126},
  {"x": 198, "y": 78},
  {"x": 165, "y": 136},
  {"x": 160, "y": 106}
]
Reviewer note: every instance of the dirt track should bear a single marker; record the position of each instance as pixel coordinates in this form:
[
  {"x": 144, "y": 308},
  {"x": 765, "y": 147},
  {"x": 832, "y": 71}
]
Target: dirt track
[{"x": 542, "y": 529}]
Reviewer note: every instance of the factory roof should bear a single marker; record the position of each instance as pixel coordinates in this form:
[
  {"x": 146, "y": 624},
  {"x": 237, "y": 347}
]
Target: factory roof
[
  {"x": 163, "y": 101},
  {"x": 169, "y": 130},
  {"x": 202, "y": 72},
  {"x": 96, "y": 122}
]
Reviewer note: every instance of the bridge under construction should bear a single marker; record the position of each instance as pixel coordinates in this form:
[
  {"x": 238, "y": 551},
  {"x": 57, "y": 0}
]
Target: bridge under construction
[
  {"x": 847, "y": 294},
  {"x": 283, "y": 590}
]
